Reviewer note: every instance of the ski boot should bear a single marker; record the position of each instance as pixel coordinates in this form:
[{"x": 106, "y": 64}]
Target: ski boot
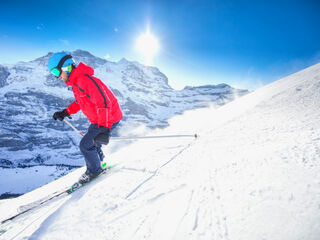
[{"x": 88, "y": 176}]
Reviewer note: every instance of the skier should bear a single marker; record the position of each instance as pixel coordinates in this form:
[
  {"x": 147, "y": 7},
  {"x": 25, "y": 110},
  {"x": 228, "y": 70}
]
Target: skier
[{"x": 95, "y": 100}]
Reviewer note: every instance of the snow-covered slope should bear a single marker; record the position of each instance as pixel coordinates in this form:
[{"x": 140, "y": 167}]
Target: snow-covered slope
[
  {"x": 31, "y": 139},
  {"x": 253, "y": 174}
]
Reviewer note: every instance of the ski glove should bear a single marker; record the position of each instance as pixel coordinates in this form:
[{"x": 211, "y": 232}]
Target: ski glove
[
  {"x": 61, "y": 115},
  {"x": 102, "y": 137}
]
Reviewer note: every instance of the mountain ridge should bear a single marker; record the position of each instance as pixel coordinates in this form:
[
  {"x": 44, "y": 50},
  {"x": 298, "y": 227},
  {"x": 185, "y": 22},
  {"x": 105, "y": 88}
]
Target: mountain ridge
[{"x": 29, "y": 136}]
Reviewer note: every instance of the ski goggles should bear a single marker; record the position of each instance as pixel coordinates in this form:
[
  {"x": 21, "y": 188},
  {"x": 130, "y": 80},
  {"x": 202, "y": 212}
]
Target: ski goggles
[{"x": 56, "y": 71}]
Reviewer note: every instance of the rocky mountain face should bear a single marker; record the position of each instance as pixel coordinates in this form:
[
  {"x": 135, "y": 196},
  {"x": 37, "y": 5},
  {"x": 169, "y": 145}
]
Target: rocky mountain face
[{"x": 30, "y": 95}]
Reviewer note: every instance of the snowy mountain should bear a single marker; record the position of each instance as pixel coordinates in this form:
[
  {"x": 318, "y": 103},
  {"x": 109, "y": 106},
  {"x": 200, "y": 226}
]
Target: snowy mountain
[
  {"x": 252, "y": 174},
  {"x": 39, "y": 149}
]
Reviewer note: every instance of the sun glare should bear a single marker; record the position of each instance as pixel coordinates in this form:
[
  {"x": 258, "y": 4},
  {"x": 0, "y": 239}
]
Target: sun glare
[{"x": 148, "y": 46}]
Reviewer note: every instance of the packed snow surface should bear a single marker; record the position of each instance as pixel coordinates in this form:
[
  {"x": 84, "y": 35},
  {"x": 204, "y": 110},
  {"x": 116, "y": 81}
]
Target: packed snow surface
[{"x": 253, "y": 174}]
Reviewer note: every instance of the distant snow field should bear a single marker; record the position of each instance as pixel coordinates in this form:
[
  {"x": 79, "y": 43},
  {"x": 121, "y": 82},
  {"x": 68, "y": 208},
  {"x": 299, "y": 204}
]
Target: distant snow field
[
  {"x": 26, "y": 179},
  {"x": 253, "y": 174}
]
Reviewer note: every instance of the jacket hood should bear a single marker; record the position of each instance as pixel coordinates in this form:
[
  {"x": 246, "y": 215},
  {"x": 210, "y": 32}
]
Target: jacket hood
[{"x": 81, "y": 69}]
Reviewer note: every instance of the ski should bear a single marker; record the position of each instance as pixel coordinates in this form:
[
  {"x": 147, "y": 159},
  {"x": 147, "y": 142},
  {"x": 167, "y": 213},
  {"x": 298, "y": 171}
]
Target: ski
[{"x": 28, "y": 207}]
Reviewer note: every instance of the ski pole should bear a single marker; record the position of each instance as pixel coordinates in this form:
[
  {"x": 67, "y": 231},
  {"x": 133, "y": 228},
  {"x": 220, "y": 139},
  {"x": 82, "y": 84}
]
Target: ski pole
[
  {"x": 135, "y": 137},
  {"x": 146, "y": 137},
  {"x": 67, "y": 122}
]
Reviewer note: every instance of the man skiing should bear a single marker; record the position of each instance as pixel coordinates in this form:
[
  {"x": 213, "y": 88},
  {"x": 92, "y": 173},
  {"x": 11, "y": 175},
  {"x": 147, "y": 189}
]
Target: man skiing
[{"x": 95, "y": 100}]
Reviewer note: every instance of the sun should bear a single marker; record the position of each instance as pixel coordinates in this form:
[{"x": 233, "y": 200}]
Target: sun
[{"x": 148, "y": 46}]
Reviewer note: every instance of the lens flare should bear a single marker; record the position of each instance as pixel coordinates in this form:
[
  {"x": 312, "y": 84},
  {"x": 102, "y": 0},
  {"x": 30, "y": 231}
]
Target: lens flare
[{"x": 148, "y": 46}]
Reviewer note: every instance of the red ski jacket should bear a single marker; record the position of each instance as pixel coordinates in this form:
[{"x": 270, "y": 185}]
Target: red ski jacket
[{"x": 93, "y": 97}]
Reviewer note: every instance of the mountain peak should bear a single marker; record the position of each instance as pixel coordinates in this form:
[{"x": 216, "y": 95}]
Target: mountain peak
[
  {"x": 80, "y": 52},
  {"x": 43, "y": 60},
  {"x": 88, "y": 58},
  {"x": 123, "y": 61}
]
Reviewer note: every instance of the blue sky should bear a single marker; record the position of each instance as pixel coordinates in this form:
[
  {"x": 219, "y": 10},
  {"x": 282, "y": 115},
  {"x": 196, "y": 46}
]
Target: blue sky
[{"x": 246, "y": 44}]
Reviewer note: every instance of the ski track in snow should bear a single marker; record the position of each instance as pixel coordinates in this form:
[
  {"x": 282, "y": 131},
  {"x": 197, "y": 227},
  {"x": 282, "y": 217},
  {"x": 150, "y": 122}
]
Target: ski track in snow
[{"x": 252, "y": 174}]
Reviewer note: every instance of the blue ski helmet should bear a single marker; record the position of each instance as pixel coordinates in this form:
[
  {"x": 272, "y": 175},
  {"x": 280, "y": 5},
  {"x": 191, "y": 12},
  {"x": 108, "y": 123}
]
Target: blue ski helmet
[{"x": 60, "y": 61}]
